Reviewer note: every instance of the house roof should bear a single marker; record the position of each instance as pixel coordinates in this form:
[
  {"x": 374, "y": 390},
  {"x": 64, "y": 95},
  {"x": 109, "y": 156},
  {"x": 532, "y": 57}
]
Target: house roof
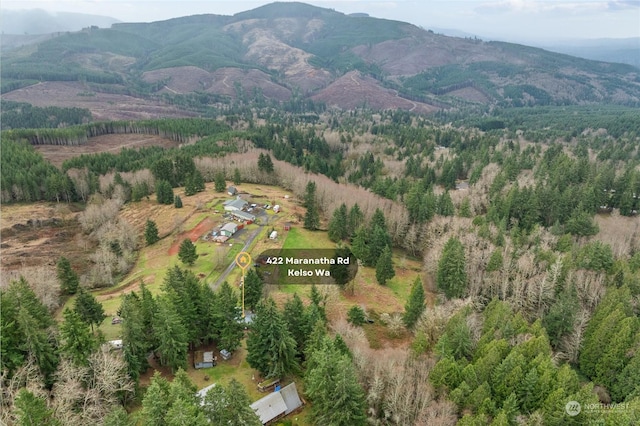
[
  {"x": 243, "y": 215},
  {"x": 291, "y": 398},
  {"x": 230, "y": 227},
  {"x": 269, "y": 407},
  {"x": 238, "y": 203},
  {"x": 203, "y": 392},
  {"x": 277, "y": 403},
  {"x": 201, "y": 356}
]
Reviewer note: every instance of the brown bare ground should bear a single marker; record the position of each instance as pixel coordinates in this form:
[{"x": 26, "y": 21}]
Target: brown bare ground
[
  {"x": 353, "y": 89},
  {"x": 38, "y": 234},
  {"x": 57, "y": 154},
  {"x": 201, "y": 228},
  {"x": 103, "y": 106}
]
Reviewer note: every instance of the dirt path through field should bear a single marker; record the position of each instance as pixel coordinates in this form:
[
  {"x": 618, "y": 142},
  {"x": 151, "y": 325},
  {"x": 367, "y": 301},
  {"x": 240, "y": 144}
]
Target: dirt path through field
[{"x": 200, "y": 229}]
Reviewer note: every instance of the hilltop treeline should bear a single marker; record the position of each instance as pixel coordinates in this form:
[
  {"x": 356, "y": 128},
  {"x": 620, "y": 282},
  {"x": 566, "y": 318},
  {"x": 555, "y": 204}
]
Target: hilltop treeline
[{"x": 19, "y": 115}]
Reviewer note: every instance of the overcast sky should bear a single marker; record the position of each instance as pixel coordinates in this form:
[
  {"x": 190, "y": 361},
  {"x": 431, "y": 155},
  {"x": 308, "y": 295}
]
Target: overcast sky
[{"x": 515, "y": 20}]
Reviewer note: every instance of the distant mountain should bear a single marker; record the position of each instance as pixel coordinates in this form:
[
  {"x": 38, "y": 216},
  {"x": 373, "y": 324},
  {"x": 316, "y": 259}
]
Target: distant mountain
[
  {"x": 293, "y": 49},
  {"x": 38, "y": 21},
  {"x": 624, "y": 51}
]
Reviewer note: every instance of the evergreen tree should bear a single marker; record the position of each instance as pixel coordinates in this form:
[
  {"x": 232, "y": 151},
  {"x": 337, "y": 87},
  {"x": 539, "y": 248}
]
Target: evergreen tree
[
  {"x": 355, "y": 220},
  {"x": 89, "y": 309},
  {"x": 77, "y": 342},
  {"x": 118, "y": 417},
  {"x": 331, "y": 383},
  {"x": 253, "y": 287},
  {"x": 190, "y": 186},
  {"x": 311, "y": 217},
  {"x": 177, "y": 202},
  {"x": 237, "y": 179},
  {"x": 415, "y": 304},
  {"x": 171, "y": 335},
  {"x": 265, "y": 164},
  {"x": 340, "y": 272},
  {"x": 198, "y": 181},
  {"x": 151, "y": 232},
  {"x": 451, "y": 277},
  {"x": 156, "y": 402},
  {"x": 219, "y": 182},
  {"x": 360, "y": 246},
  {"x": 271, "y": 348},
  {"x": 136, "y": 342},
  {"x": 338, "y": 224},
  {"x": 68, "y": 278},
  {"x": 229, "y": 405},
  {"x": 379, "y": 240},
  {"x": 164, "y": 192},
  {"x": 24, "y": 330},
  {"x": 445, "y": 205},
  {"x": 187, "y": 252},
  {"x": 296, "y": 320},
  {"x": 355, "y": 315},
  {"x": 32, "y": 411},
  {"x": 384, "y": 267},
  {"x": 228, "y": 318}
]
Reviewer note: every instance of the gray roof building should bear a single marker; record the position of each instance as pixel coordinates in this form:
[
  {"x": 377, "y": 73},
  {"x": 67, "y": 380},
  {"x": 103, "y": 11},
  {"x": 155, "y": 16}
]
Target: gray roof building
[
  {"x": 235, "y": 205},
  {"x": 277, "y": 404}
]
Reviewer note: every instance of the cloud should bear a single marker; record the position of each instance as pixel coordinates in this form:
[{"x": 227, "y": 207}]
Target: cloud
[
  {"x": 623, "y": 4},
  {"x": 549, "y": 7}
]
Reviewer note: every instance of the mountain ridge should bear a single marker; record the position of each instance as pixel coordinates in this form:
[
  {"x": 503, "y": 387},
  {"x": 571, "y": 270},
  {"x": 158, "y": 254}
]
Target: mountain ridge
[{"x": 295, "y": 48}]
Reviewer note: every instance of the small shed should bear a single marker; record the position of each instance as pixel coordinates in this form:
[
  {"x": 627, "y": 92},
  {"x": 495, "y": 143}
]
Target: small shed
[
  {"x": 232, "y": 190},
  {"x": 287, "y": 226},
  {"x": 202, "y": 359},
  {"x": 225, "y": 354},
  {"x": 276, "y": 208},
  {"x": 273, "y": 235}
]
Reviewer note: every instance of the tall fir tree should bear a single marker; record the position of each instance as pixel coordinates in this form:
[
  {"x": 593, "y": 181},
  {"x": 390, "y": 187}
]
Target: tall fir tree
[
  {"x": 253, "y": 288},
  {"x": 151, "y": 232},
  {"x": 187, "y": 252},
  {"x": 338, "y": 224},
  {"x": 355, "y": 220},
  {"x": 89, "y": 309},
  {"x": 237, "y": 178},
  {"x": 451, "y": 276},
  {"x": 228, "y": 319},
  {"x": 219, "y": 182},
  {"x": 77, "y": 341},
  {"x": 332, "y": 385},
  {"x": 271, "y": 348},
  {"x": 67, "y": 277},
  {"x": 164, "y": 192},
  {"x": 384, "y": 267},
  {"x": 311, "y": 216},
  {"x": 415, "y": 304},
  {"x": 171, "y": 335},
  {"x": 229, "y": 405}
]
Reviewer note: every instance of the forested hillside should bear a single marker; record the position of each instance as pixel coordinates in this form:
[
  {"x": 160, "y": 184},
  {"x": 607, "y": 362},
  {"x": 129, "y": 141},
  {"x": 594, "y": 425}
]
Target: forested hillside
[{"x": 283, "y": 50}]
